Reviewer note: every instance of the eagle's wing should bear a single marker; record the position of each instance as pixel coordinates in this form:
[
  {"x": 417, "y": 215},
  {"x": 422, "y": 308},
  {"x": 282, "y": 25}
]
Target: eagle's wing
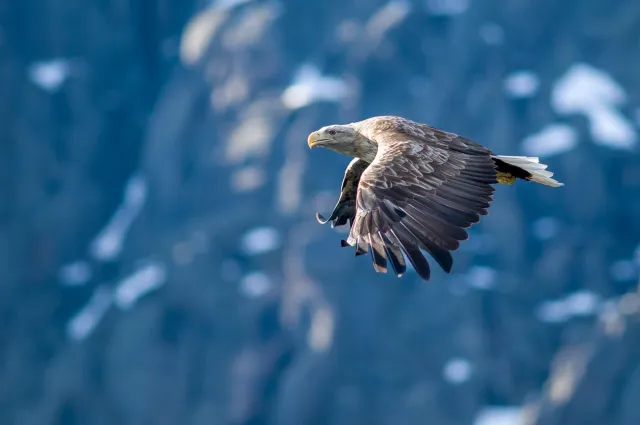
[
  {"x": 423, "y": 189},
  {"x": 345, "y": 209}
]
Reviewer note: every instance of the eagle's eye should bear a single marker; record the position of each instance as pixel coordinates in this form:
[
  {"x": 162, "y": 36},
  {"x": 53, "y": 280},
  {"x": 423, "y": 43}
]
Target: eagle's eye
[{"x": 332, "y": 132}]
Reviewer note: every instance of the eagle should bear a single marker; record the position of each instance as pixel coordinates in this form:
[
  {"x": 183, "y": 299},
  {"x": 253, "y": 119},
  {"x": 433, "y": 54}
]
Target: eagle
[{"x": 412, "y": 188}]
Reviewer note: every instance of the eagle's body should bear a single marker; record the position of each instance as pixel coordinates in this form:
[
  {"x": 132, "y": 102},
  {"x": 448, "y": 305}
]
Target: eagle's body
[{"x": 412, "y": 187}]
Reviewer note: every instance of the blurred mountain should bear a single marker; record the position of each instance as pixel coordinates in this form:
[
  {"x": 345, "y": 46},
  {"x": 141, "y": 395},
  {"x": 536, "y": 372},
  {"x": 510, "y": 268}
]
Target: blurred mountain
[{"x": 160, "y": 262}]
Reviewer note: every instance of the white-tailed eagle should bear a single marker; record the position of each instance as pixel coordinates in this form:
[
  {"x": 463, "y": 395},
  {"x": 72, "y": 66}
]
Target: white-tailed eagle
[{"x": 412, "y": 187}]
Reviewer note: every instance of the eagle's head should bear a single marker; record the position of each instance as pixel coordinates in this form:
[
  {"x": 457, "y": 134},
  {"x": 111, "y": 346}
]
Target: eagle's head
[{"x": 344, "y": 139}]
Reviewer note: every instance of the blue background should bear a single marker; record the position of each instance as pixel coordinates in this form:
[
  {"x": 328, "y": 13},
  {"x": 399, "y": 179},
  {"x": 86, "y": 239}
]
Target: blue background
[{"x": 160, "y": 262}]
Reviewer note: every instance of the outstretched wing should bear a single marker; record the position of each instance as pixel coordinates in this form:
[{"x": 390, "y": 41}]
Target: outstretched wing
[
  {"x": 345, "y": 209},
  {"x": 423, "y": 189}
]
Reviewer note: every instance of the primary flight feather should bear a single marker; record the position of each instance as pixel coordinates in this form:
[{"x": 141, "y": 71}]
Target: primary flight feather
[{"x": 413, "y": 188}]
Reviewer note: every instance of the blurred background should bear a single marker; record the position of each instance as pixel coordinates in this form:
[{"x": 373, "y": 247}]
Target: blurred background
[{"x": 160, "y": 261}]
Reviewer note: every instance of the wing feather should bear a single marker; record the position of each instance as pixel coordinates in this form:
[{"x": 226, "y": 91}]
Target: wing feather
[
  {"x": 417, "y": 260},
  {"x": 394, "y": 255},
  {"x": 441, "y": 255},
  {"x": 378, "y": 257},
  {"x": 424, "y": 188}
]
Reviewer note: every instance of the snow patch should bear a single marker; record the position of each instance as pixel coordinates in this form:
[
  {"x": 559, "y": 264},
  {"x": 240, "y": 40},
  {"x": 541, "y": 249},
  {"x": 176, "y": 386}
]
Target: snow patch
[
  {"x": 583, "y": 303},
  {"x": 610, "y": 128},
  {"x": 586, "y": 90},
  {"x": 320, "y": 335},
  {"x": 75, "y": 274},
  {"x": 261, "y": 240},
  {"x": 310, "y": 86},
  {"x": 522, "y": 84},
  {"x": 500, "y": 415},
  {"x": 387, "y": 17},
  {"x": 553, "y": 312},
  {"x": 108, "y": 244},
  {"x": 83, "y": 323},
  {"x": 481, "y": 277},
  {"x": 583, "y": 87},
  {"x": 141, "y": 282},
  {"x": 255, "y": 285},
  {"x": 577, "y": 304},
  {"x": 457, "y": 370},
  {"x": 50, "y": 75},
  {"x": 552, "y": 140}
]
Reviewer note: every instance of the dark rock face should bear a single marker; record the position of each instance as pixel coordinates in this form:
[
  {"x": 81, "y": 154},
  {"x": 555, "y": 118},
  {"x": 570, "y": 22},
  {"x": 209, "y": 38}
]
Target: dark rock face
[{"x": 159, "y": 146}]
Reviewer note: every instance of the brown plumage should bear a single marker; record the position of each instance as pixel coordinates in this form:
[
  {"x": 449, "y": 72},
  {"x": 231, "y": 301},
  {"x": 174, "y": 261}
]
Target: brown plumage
[{"x": 414, "y": 188}]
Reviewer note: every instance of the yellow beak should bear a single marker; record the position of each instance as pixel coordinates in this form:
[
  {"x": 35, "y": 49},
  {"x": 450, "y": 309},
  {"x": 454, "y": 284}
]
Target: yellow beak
[{"x": 311, "y": 140}]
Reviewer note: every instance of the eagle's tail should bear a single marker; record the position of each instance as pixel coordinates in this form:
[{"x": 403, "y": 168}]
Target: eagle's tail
[{"x": 523, "y": 167}]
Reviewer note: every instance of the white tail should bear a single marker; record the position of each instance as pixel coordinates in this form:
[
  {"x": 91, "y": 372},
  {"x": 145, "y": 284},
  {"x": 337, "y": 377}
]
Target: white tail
[{"x": 532, "y": 165}]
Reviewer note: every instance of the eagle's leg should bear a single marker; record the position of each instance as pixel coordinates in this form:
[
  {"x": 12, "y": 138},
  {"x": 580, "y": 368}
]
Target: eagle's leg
[{"x": 505, "y": 178}]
